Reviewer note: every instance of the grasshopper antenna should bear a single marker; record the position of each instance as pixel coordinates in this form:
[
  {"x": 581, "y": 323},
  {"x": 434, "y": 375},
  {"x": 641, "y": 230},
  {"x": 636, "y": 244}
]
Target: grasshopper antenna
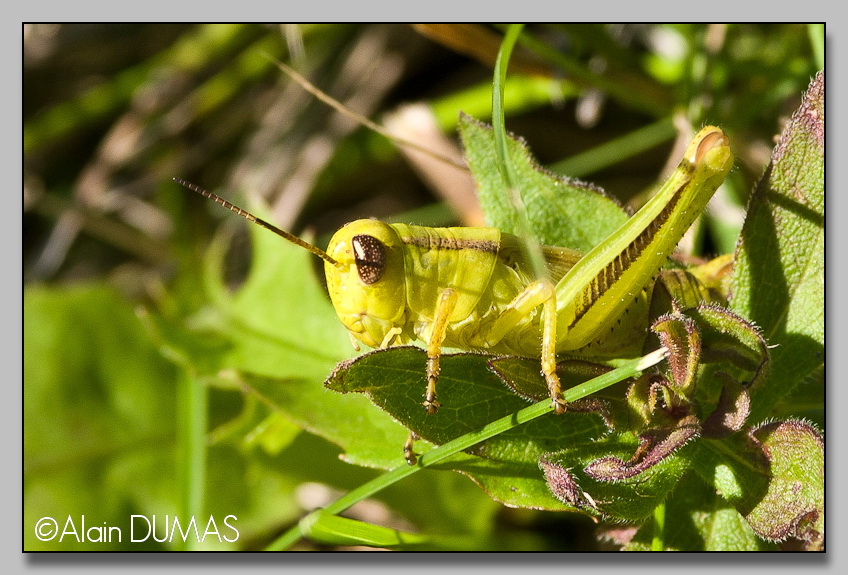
[{"x": 250, "y": 217}]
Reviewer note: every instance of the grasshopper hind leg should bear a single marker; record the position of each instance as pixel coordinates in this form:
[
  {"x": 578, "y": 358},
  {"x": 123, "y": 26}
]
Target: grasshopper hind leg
[{"x": 549, "y": 355}]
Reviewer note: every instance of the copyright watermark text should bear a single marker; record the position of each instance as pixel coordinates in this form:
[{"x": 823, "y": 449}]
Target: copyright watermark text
[{"x": 141, "y": 528}]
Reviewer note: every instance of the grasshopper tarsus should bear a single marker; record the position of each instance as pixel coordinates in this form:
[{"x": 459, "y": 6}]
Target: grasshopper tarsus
[
  {"x": 409, "y": 449},
  {"x": 431, "y": 405}
]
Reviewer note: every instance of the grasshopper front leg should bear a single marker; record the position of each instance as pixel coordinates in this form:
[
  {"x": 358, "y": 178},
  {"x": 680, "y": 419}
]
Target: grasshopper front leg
[
  {"x": 540, "y": 292},
  {"x": 444, "y": 307}
]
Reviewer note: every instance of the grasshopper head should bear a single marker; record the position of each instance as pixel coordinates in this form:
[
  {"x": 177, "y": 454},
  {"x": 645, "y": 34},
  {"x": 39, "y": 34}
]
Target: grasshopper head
[
  {"x": 367, "y": 285},
  {"x": 364, "y": 269}
]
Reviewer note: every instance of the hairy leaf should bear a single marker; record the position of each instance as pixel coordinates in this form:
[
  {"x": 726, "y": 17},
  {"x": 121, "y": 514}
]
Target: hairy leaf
[
  {"x": 572, "y": 477},
  {"x": 778, "y": 276},
  {"x": 698, "y": 519},
  {"x": 561, "y": 212},
  {"x": 794, "y": 503}
]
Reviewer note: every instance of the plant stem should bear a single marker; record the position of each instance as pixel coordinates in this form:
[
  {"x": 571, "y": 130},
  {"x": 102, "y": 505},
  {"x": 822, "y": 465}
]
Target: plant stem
[
  {"x": 193, "y": 402},
  {"x": 532, "y": 249},
  {"x": 658, "y": 540}
]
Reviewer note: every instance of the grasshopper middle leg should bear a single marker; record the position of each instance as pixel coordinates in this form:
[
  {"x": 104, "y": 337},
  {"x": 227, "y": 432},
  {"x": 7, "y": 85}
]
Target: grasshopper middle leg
[{"x": 540, "y": 292}]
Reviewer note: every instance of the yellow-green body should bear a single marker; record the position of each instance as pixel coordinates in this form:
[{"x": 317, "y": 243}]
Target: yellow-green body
[
  {"x": 472, "y": 288},
  {"x": 602, "y": 298}
]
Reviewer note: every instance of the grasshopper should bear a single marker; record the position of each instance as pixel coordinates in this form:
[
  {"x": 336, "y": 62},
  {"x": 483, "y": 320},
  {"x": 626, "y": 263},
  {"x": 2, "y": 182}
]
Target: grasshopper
[{"x": 473, "y": 288}]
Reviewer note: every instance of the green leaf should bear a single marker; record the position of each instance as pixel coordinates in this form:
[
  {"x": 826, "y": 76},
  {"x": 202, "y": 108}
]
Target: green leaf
[
  {"x": 281, "y": 333},
  {"x": 699, "y": 520},
  {"x": 778, "y": 276},
  {"x": 572, "y": 477},
  {"x": 561, "y": 212},
  {"x": 367, "y": 435},
  {"x": 280, "y": 322},
  {"x": 774, "y": 477},
  {"x": 472, "y": 396},
  {"x": 794, "y": 503},
  {"x": 733, "y": 343},
  {"x": 99, "y": 405}
]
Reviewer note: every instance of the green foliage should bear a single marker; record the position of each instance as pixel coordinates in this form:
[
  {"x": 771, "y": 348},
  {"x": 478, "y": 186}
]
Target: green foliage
[
  {"x": 153, "y": 387},
  {"x": 698, "y": 518},
  {"x": 83, "y": 442},
  {"x": 778, "y": 279},
  {"x": 472, "y": 396},
  {"x": 554, "y": 207}
]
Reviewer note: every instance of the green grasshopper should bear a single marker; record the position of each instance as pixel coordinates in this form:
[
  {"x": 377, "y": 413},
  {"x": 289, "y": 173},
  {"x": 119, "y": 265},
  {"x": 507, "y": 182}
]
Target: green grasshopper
[{"x": 473, "y": 289}]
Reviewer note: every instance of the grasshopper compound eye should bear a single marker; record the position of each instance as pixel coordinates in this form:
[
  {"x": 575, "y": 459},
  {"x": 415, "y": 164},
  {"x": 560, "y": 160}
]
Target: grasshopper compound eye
[{"x": 370, "y": 258}]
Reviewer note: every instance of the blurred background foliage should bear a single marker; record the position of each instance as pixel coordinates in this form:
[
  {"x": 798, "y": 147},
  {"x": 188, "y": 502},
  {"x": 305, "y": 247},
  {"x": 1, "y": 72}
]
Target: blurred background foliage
[{"x": 112, "y": 112}]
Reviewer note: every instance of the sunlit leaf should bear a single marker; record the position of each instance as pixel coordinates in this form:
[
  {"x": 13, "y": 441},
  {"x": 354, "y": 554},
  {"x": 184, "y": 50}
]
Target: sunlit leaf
[{"x": 778, "y": 277}]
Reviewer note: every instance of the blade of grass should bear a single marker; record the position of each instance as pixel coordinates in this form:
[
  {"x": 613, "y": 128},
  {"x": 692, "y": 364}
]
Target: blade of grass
[
  {"x": 629, "y": 369},
  {"x": 498, "y": 122},
  {"x": 192, "y": 405},
  {"x": 323, "y": 527},
  {"x": 616, "y": 150},
  {"x": 532, "y": 248}
]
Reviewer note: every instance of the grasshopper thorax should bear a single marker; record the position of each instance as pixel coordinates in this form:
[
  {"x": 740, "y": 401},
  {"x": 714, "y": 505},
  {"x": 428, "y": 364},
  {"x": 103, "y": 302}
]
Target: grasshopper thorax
[{"x": 367, "y": 286}]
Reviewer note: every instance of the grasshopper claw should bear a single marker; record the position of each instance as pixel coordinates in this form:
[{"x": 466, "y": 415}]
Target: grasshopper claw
[
  {"x": 431, "y": 405},
  {"x": 409, "y": 449},
  {"x": 559, "y": 405}
]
